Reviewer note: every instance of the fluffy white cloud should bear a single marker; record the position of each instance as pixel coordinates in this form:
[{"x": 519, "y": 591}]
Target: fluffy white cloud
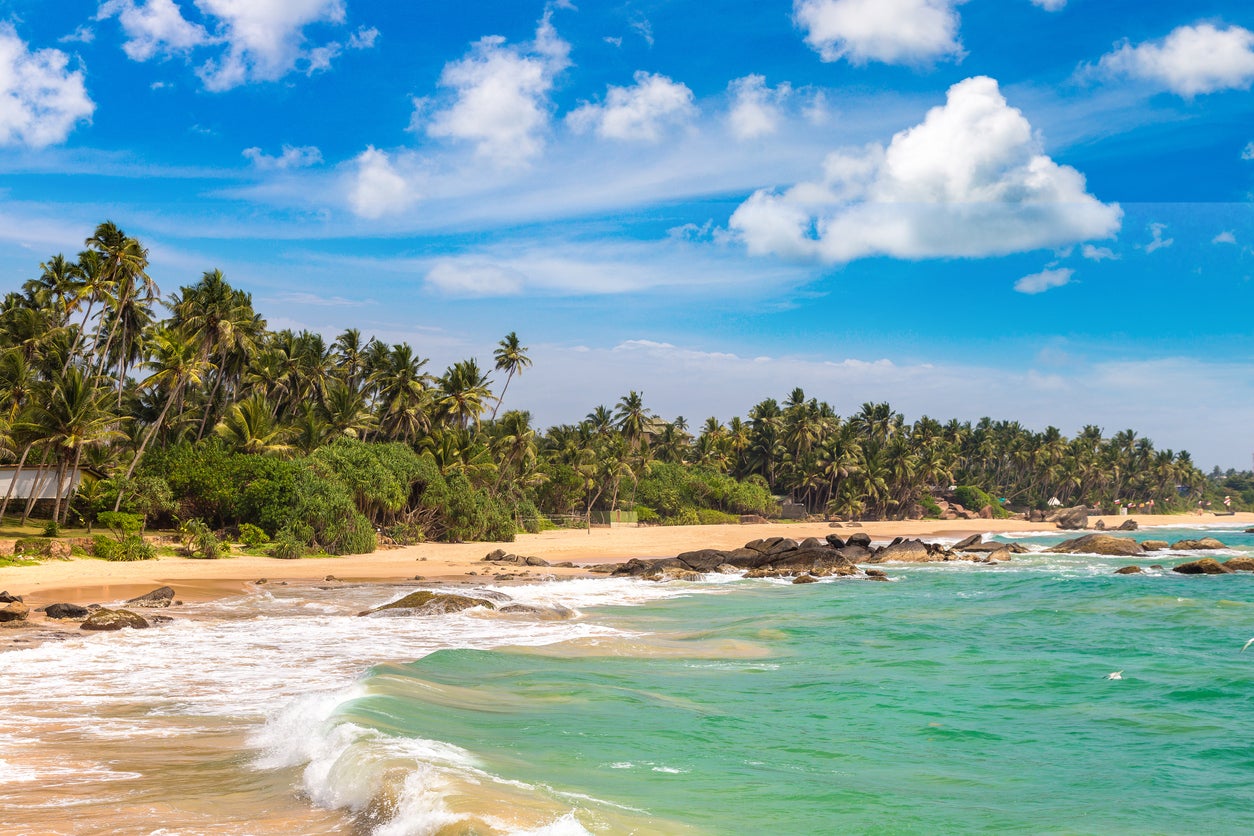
[
  {"x": 971, "y": 180},
  {"x": 641, "y": 112},
  {"x": 1045, "y": 280},
  {"x": 1225, "y": 237},
  {"x": 261, "y": 40},
  {"x": 890, "y": 31},
  {"x": 461, "y": 278},
  {"x": 155, "y": 27},
  {"x": 41, "y": 100},
  {"x": 1247, "y": 153},
  {"x": 377, "y": 188},
  {"x": 1093, "y": 253},
  {"x": 1190, "y": 61},
  {"x": 1158, "y": 242},
  {"x": 1050, "y": 5},
  {"x": 755, "y": 109},
  {"x": 291, "y": 157},
  {"x": 501, "y": 96}
]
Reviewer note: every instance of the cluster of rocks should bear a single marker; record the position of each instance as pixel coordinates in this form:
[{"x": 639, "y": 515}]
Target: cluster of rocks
[
  {"x": 429, "y": 602},
  {"x": 1076, "y": 518},
  {"x": 1107, "y": 544},
  {"x": 93, "y": 616},
  {"x": 503, "y": 558}
]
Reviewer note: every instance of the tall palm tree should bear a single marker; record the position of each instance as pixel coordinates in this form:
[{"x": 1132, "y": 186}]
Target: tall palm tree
[
  {"x": 249, "y": 427},
  {"x": 630, "y": 418},
  {"x": 462, "y": 392},
  {"x": 511, "y": 358}
]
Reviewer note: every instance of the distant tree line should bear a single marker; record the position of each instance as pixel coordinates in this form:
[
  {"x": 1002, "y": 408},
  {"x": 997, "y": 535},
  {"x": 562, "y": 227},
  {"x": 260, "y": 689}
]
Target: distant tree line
[{"x": 193, "y": 409}]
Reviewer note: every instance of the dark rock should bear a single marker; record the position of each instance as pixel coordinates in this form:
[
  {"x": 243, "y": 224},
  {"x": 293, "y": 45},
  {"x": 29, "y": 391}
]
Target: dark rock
[
  {"x": 1204, "y": 544},
  {"x": 1205, "y": 566},
  {"x": 13, "y": 611},
  {"x": 1129, "y": 525},
  {"x": 1157, "y": 566},
  {"x": 726, "y": 569},
  {"x": 565, "y": 564},
  {"x": 673, "y": 573},
  {"x": 992, "y": 546},
  {"x": 1153, "y": 545},
  {"x": 1107, "y": 544},
  {"x": 1072, "y": 519},
  {"x": 108, "y": 620},
  {"x": 6, "y": 598},
  {"x": 66, "y": 611},
  {"x": 812, "y": 543},
  {"x": 1240, "y": 564},
  {"x": 772, "y": 545},
  {"x": 157, "y": 598},
  {"x": 1100, "y": 525},
  {"x": 707, "y": 560},
  {"x": 855, "y": 553},
  {"x": 811, "y": 561},
  {"x": 860, "y": 539},
  {"x": 965, "y": 545},
  {"x": 805, "y": 579},
  {"x": 835, "y": 542},
  {"x": 330, "y": 578},
  {"x": 535, "y": 561},
  {"x": 907, "y": 551},
  {"x": 425, "y": 602},
  {"x": 162, "y": 619},
  {"x": 1128, "y": 570},
  {"x": 557, "y": 613}
]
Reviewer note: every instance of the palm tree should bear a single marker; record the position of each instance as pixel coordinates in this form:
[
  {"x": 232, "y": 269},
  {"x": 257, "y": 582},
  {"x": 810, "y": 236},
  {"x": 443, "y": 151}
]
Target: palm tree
[
  {"x": 462, "y": 392},
  {"x": 249, "y": 427},
  {"x": 631, "y": 416},
  {"x": 511, "y": 358}
]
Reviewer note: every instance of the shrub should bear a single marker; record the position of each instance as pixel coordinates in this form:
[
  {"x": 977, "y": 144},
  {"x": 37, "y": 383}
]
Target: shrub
[
  {"x": 288, "y": 545},
  {"x": 252, "y": 536},
  {"x": 708, "y": 516},
  {"x": 199, "y": 540},
  {"x": 129, "y": 548},
  {"x": 32, "y": 546},
  {"x": 930, "y": 509},
  {"x": 120, "y": 523},
  {"x": 685, "y": 516},
  {"x": 975, "y": 499},
  {"x": 52, "y": 529},
  {"x": 646, "y": 515},
  {"x": 405, "y": 534}
]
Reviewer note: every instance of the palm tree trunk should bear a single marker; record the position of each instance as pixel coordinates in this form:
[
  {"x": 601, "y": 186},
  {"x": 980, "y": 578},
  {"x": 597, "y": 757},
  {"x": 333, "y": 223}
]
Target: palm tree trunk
[
  {"x": 4, "y": 506},
  {"x": 56, "y": 503},
  {"x": 212, "y": 394},
  {"x": 40, "y": 480},
  {"x": 504, "y": 389},
  {"x": 148, "y": 436},
  {"x": 69, "y": 493}
]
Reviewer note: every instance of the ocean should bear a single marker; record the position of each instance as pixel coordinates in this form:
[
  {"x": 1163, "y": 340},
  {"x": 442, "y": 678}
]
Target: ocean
[{"x": 959, "y": 698}]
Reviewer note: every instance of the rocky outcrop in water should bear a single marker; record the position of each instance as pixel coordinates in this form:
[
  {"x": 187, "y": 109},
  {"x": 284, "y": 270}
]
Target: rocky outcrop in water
[
  {"x": 156, "y": 599},
  {"x": 501, "y": 556},
  {"x": 109, "y": 620},
  {"x": 1128, "y": 570},
  {"x": 1204, "y": 544},
  {"x": 1205, "y": 566},
  {"x": 1107, "y": 544},
  {"x": 13, "y": 611},
  {"x": 1153, "y": 545},
  {"x": 1129, "y": 525},
  {"x": 66, "y": 611},
  {"x": 1240, "y": 564},
  {"x": 426, "y": 602}
]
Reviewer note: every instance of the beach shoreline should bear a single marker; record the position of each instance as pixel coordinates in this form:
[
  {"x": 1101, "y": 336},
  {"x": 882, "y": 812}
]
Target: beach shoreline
[{"x": 82, "y": 580}]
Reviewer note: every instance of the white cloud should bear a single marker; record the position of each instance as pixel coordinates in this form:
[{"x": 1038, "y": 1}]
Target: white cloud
[
  {"x": 501, "y": 96},
  {"x": 1093, "y": 253},
  {"x": 971, "y": 180},
  {"x": 1045, "y": 280},
  {"x": 1050, "y": 5},
  {"x": 641, "y": 112},
  {"x": 291, "y": 157},
  {"x": 261, "y": 40},
  {"x": 889, "y": 31},
  {"x": 1158, "y": 241},
  {"x": 1225, "y": 237},
  {"x": 644, "y": 29},
  {"x": 1247, "y": 153},
  {"x": 470, "y": 278},
  {"x": 41, "y": 100},
  {"x": 1191, "y": 60},
  {"x": 84, "y": 34},
  {"x": 377, "y": 188},
  {"x": 755, "y": 109},
  {"x": 157, "y": 27},
  {"x": 363, "y": 38}
]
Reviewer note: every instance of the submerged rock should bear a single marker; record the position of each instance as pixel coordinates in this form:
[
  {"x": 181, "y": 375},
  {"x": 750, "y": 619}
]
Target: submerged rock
[
  {"x": 1153, "y": 545},
  {"x": 425, "y": 602},
  {"x": 1107, "y": 544},
  {"x": 805, "y": 579},
  {"x": 108, "y": 620},
  {"x": 1240, "y": 564},
  {"x": 1128, "y": 570},
  {"x": 157, "y": 598},
  {"x": 1204, "y": 544},
  {"x": 1205, "y": 566}
]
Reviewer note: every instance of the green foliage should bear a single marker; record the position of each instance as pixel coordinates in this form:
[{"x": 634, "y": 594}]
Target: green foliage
[
  {"x": 120, "y": 523},
  {"x": 199, "y": 540},
  {"x": 709, "y": 516},
  {"x": 646, "y": 515},
  {"x": 974, "y": 499},
  {"x": 528, "y": 516},
  {"x": 52, "y": 529},
  {"x": 131, "y": 547},
  {"x": 289, "y": 544},
  {"x": 684, "y": 516},
  {"x": 405, "y": 534},
  {"x": 671, "y": 490},
  {"x": 252, "y": 536},
  {"x": 930, "y": 509},
  {"x": 32, "y": 547}
]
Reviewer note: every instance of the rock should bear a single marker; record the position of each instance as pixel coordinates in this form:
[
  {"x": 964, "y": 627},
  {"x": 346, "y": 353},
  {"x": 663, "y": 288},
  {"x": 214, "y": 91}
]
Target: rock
[
  {"x": 812, "y": 543},
  {"x": 1157, "y": 566},
  {"x": 707, "y": 560},
  {"x": 565, "y": 564},
  {"x": 726, "y": 569},
  {"x": 1205, "y": 566},
  {"x": 835, "y": 542},
  {"x": 907, "y": 551},
  {"x": 556, "y": 613},
  {"x": 824, "y": 560},
  {"x": 1204, "y": 544},
  {"x": 1128, "y": 570},
  {"x": 1129, "y": 525},
  {"x": 105, "y": 619},
  {"x": 156, "y": 599},
  {"x": 855, "y": 554},
  {"x": 330, "y": 578},
  {"x": 1153, "y": 545},
  {"x": 7, "y": 548},
  {"x": 1100, "y": 525},
  {"x": 13, "y": 611},
  {"x": 6, "y": 598},
  {"x": 973, "y": 540},
  {"x": 993, "y": 546},
  {"x": 1240, "y": 564},
  {"x": 1107, "y": 544},
  {"x": 860, "y": 539},
  {"x": 805, "y": 579},
  {"x": 425, "y": 602},
  {"x": 535, "y": 561},
  {"x": 1072, "y": 519},
  {"x": 1002, "y": 555},
  {"x": 772, "y": 545},
  {"x": 66, "y": 611},
  {"x": 60, "y": 549}
]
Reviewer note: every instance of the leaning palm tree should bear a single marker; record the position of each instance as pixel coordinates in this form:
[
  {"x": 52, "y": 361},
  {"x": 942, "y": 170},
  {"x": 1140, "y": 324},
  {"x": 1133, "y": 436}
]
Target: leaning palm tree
[{"x": 511, "y": 358}]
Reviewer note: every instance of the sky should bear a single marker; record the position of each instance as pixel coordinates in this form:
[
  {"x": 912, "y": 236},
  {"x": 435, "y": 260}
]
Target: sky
[{"x": 1034, "y": 210}]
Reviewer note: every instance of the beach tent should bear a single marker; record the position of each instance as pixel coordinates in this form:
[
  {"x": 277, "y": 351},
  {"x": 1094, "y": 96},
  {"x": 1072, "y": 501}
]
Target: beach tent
[{"x": 1054, "y": 502}]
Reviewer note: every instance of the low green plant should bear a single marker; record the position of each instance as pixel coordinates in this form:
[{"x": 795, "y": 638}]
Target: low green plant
[
  {"x": 129, "y": 548},
  {"x": 931, "y": 510},
  {"x": 52, "y": 529},
  {"x": 405, "y": 534},
  {"x": 252, "y": 536},
  {"x": 120, "y": 523},
  {"x": 709, "y": 516},
  {"x": 199, "y": 540},
  {"x": 288, "y": 545},
  {"x": 646, "y": 515},
  {"x": 33, "y": 547}
]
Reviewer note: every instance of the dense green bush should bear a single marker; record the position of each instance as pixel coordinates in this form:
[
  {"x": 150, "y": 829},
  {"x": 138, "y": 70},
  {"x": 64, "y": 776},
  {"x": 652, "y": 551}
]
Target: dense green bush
[
  {"x": 199, "y": 540},
  {"x": 672, "y": 490},
  {"x": 120, "y": 523},
  {"x": 975, "y": 499},
  {"x": 646, "y": 515},
  {"x": 252, "y": 536},
  {"x": 130, "y": 547},
  {"x": 288, "y": 545},
  {"x": 708, "y": 516},
  {"x": 931, "y": 510}
]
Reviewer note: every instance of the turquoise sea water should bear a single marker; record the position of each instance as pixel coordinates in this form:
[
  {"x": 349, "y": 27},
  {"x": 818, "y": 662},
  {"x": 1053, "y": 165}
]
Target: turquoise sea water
[{"x": 957, "y": 699}]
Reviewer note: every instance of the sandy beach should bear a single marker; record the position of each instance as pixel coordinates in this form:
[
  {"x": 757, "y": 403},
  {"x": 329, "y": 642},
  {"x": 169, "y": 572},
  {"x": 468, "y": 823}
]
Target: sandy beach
[{"x": 88, "y": 580}]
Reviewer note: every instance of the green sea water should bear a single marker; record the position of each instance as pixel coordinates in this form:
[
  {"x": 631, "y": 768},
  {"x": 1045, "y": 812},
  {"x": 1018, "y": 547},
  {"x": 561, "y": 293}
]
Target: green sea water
[{"x": 956, "y": 699}]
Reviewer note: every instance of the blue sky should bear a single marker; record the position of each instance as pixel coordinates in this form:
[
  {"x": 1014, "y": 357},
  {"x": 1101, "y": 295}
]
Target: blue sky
[{"x": 1037, "y": 210}]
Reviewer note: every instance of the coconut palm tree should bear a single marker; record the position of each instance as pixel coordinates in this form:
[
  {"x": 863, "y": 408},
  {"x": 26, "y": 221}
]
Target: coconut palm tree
[
  {"x": 461, "y": 393},
  {"x": 511, "y": 358},
  {"x": 249, "y": 427}
]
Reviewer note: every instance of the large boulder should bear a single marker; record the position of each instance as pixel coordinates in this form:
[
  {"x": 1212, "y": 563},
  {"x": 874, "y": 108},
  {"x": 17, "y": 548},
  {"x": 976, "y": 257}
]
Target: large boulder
[
  {"x": 1240, "y": 564},
  {"x": 1153, "y": 545},
  {"x": 772, "y": 545},
  {"x": 1107, "y": 544},
  {"x": 1128, "y": 570},
  {"x": 1072, "y": 519},
  {"x": 964, "y": 545},
  {"x": 1204, "y": 544},
  {"x": 708, "y": 560},
  {"x": 860, "y": 539},
  {"x": 108, "y": 620},
  {"x": 13, "y": 611},
  {"x": 908, "y": 551},
  {"x": 156, "y": 599},
  {"x": 426, "y": 602},
  {"x": 825, "y": 561},
  {"x": 73, "y": 611},
  {"x": 1205, "y": 566},
  {"x": 835, "y": 542},
  {"x": 1129, "y": 525},
  {"x": 6, "y": 598}
]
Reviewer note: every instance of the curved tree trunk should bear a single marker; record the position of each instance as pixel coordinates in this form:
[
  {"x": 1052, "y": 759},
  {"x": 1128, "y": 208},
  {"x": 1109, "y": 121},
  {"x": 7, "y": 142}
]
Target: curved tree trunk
[{"x": 4, "y": 506}]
